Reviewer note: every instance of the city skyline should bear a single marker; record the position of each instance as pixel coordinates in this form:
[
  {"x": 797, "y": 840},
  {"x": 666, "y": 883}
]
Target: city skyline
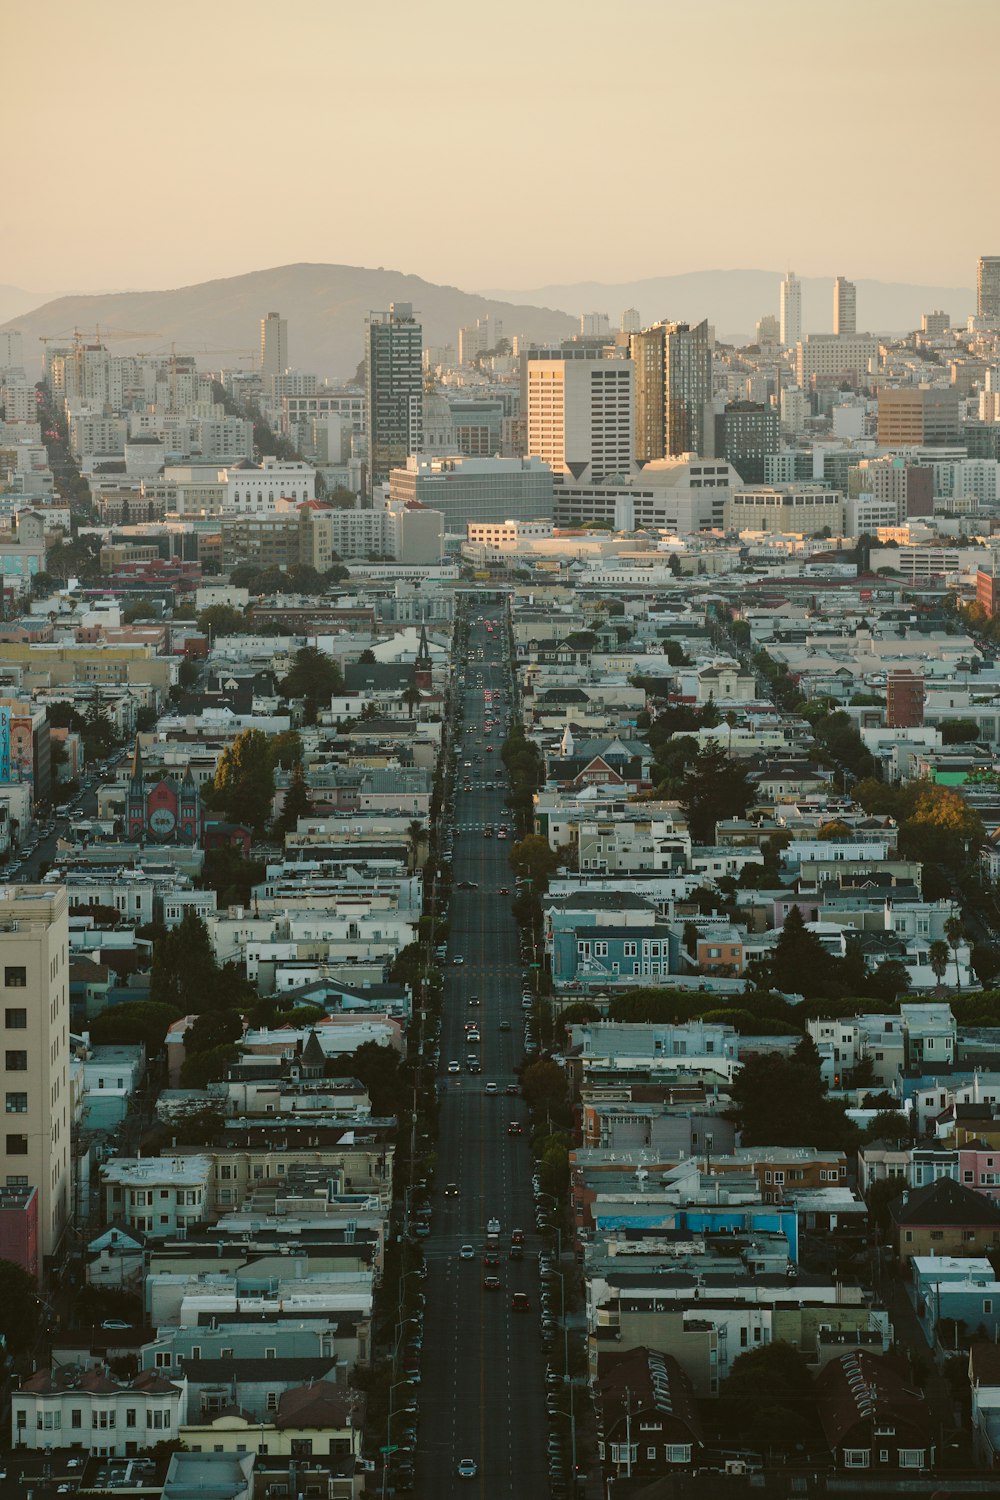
[{"x": 713, "y": 217}]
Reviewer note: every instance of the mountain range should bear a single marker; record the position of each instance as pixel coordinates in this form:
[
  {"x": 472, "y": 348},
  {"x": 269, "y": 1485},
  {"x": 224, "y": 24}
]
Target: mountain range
[
  {"x": 325, "y": 306},
  {"x": 733, "y": 301}
]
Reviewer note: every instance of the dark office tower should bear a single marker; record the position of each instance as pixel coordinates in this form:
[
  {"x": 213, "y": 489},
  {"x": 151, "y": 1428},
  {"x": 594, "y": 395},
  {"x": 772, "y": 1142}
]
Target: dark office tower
[
  {"x": 648, "y": 351},
  {"x": 673, "y": 389},
  {"x": 393, "y": 388},
  {"x": 745, "y": 433},
  {"x": 988, "y": 289},
  {"x": 687, "y": 387}
]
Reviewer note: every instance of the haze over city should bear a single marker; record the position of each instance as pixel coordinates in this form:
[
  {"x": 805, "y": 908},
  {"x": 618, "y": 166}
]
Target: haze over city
[
  {"x": 499, "y": 751},
  {"x": 555, "y": 142}
]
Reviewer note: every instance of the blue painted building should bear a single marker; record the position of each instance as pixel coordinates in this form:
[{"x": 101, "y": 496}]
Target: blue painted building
[{"x": 590, "y": 953}]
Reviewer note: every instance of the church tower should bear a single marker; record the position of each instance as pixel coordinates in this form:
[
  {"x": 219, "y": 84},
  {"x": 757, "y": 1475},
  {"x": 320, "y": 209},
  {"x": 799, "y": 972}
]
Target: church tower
[
  {"x": 422, "y": 663},
  {"x": 189, "y": 811},
  {"x": 135, "y": 797}
]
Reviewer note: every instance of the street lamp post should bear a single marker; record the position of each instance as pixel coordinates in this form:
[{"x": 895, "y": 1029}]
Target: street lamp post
[{"x": 388, "y": 1434}]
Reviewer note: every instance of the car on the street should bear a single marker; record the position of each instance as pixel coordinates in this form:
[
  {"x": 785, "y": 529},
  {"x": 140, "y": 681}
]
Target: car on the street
[
  {"x": 504, "y": 1026},
  {"x": 491, "y": 1087},
  {"x": 491, "y": 1283},
  {"x": 467, "y": 1468},
  {"x": 513, "y": 1089},
  {"x": 458, "y": 959},
  {"x": 514, "y": 1128},
  {"x": 467, "y": 1253},
  {"x": 519, "y": 1302},
  {"x": 454, "y": 1066},
  {"x": 517, "y": 1235},
  {"x": 493, "y": 1225},
  {"x": 491, "y": 1256},
  {"x": 451, "y": 1190}
]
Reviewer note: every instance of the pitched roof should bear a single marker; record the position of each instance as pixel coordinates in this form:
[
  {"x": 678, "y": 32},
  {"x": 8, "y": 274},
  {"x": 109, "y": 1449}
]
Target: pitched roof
[
  {"x": 652, "y": 1379},
  {"x": 318, "y": 1404},
  {"x": 861, "y": 1388},
  {"x": 947, "y": 1203}
]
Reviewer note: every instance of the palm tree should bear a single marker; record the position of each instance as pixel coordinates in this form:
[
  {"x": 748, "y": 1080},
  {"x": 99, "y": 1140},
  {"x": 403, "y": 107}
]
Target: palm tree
[
  {"x": 953, "y": 932},
  {"x": 417, "y": 835},
  {"x": 937, "y": 955},
  {"x": 411, "y": 697}
]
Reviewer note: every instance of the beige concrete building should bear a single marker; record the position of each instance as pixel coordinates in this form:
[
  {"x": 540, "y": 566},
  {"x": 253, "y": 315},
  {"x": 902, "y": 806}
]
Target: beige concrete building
[
  {"x": 34, "y": 972},
  {"x": 580, "y": 415},
  {"x": 918, "y": 416},
  {"x": 852, "y": 355},
  {"x": 786, "y": 508}
]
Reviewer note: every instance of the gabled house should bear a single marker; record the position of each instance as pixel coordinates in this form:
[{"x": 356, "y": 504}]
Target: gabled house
[
  {"x": 944, "y": 1218},
  {"x": 647, "y": 1419},
  {"x": 871, "y": 1416}
]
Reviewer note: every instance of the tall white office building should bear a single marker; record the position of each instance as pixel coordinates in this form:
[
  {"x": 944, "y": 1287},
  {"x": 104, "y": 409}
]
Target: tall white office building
[
  {"x": 845, "y": 306},
  {"x": 791, "y": 310},
  {"x": 273, "y": 346},
  {"x": 581, "y": 415}
]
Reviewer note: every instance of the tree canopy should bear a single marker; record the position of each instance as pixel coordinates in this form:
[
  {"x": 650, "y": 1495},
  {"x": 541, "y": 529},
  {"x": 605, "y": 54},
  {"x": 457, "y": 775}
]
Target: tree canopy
[
  {"x": 314, "y": 677},
  {"x": 715, "y": 786},
  {"x": 244, "y": 780},
  {"x": 782, "y": 1101}
]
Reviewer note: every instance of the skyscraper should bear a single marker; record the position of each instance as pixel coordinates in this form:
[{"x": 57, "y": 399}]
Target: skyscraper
[
  {"x": 393, "y": 389},
  {"x": 273, "y": 346},
  {"x": 580, "y": 415},
  {"x": 845, "y": 306},
  {"x": 988, "y": 288},
  {"x": 34, "y": 970},
  {"x": 791, "y": 310},
  {"x": 673, "y": 387}
]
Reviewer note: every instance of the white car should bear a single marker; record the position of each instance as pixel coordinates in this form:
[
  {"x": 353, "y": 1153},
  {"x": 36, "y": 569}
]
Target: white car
[
  {"x": 467, "y": 1252},
  {"x": 493, "y": 1226},
  {"x": 467, "y": 1468},
  {"x": 491, "y": 1088},
  {"x": 454, "y": 1066}
]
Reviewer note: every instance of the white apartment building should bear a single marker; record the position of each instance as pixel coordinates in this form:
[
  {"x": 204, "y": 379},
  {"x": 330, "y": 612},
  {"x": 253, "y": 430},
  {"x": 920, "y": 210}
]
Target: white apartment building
[
  {"x": 255, "y": 491},
  {"x": 682, "y": 494},
  {"x": 507, "y": 535},
  {"x": 581, "y": 415},
  {"x": 34, "y": 971},
  {"x": 157, "y": 1196},
  {"x": 791, "y": 310},
  {"x": 73, "y": 1407},
  {"x": 800, "y": 509},
  {"x": 836, "y": 354}
]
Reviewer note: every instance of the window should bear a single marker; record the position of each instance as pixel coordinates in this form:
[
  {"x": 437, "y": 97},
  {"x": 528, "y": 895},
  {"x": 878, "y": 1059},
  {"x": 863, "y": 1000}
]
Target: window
[
  {"x": 857, "y": 1458},
  {"x": 130, "y": 1416},
  {"x": 911, "y": 1458},
  {"x": 164, "y": 1359},
  {"x": 16, "y": 1062},
  {"x": 17, "y": 1145},
  {"x": 16, "y": 977},
  {"x": 651, "y": 1453},
  {"x": 16, "y": 1020},
  {"x": 17, "y": 1104},
  {"x": 272, "y": 1401},
  {"x": 678, "y": 1453}
]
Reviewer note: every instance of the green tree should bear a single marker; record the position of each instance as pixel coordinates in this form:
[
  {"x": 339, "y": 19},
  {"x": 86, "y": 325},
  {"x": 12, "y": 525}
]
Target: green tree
[
  {"x": 296, "y": 804},
  {"x": 799, "y": 963},
  {"x": 767, "y": 1396},
  {"x": 782, "y": 1101},
  {"x": 314, "y": 677},
  {"x": 188, "y": 672},
  {"x": 138, "y": 1023},
  {"x": 888, "y": 1125},
  {"x": 367, "y": 657},
  {"x": 207, "y": 1067},
  {"x": 986, "y": 962},
  {"x": 184, "y": 972},
  {"x": 244, "y": 780},
  {"x": 532, "y": 859},
  {"x": 232, "y": 877},
  {"x": 959, "y": 732},
  {"x": 890, "y": 980},
  {"x": 213, "y": 1028},
  {"x": 714, "y": 787},
  {"x": 380, "y": 1070},
  {"x": 223, "y": 619},
  {"x": 286, "y": 749},
  {"x": 937, "y": 957}
]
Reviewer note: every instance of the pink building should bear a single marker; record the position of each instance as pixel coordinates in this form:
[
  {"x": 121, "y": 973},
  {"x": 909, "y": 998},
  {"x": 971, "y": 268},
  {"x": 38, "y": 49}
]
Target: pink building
[
  {"x": 979, "y": 1168},
  {"x": 19, "y": 1227}
]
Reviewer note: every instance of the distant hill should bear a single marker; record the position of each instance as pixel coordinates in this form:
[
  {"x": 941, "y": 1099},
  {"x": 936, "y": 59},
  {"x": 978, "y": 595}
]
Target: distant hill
[
  {"x": 15, "y": 301},
  {"x": 733, "y": 300},
  {"x": 325, "y": 307}
]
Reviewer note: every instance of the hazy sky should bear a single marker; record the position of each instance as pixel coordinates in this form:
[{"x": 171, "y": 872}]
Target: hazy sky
[{"x": 496, "y": 144}]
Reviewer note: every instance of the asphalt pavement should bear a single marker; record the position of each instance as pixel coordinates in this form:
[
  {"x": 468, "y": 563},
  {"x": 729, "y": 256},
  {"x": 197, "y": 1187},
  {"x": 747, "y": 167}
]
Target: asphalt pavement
[{"x": 482, "y": 1388}]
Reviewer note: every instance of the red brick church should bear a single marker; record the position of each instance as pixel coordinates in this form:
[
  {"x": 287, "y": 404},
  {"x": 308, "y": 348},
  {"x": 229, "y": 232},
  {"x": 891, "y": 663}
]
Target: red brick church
[{"x": 167, "y": 811}]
